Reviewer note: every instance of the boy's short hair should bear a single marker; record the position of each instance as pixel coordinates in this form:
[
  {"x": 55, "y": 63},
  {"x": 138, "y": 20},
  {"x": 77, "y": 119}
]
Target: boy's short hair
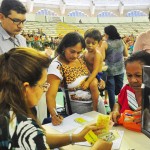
[
  {"x": 8, "y": 5},
  {"x": 93, "y": 33}
]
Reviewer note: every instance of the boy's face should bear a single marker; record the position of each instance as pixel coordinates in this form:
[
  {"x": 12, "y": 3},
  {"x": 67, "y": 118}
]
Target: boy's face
[{"x": 91, "y": 44}]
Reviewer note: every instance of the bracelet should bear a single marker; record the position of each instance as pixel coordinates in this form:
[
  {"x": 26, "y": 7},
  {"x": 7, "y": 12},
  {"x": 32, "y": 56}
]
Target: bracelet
[{"x": 70, "y": 137}]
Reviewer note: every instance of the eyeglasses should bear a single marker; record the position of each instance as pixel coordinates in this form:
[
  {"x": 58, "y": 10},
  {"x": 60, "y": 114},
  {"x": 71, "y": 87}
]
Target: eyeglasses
[
  {"x": 17, "y": 21},
  {"x": 44, "y": 87}
]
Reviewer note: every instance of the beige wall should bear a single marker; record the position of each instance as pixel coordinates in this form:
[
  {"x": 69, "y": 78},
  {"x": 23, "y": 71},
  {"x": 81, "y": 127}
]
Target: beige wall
[{"x": 56, "y": 9}]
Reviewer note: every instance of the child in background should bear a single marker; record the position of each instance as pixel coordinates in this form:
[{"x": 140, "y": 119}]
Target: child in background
[{"x": 93, "y": 59}]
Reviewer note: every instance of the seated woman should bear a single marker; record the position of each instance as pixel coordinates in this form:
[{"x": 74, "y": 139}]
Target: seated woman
[
  {"x": 23, "y": 75},
  {"x": 68, "y": 64},
  {"x": 130, "y": 97}
]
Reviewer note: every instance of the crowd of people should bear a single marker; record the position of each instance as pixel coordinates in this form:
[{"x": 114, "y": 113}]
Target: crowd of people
[
  {"x": 39, "y": 39},
  {"x": 26, "y": 73}
]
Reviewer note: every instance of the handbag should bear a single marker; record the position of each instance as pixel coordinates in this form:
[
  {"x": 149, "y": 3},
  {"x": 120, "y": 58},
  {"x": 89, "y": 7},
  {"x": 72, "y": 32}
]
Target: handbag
[{"x": 127, "y": 120}]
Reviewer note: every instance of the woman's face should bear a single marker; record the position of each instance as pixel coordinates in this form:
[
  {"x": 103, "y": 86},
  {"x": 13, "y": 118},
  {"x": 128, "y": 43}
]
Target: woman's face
[
  {"x": 134, "y": 74},
  {"x": 72, "y": 53},
  {"x": 34, "y": 93}
]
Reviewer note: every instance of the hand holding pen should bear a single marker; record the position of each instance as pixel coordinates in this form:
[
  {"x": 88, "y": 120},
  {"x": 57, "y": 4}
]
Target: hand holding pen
[{"x": 56, "y": 118}]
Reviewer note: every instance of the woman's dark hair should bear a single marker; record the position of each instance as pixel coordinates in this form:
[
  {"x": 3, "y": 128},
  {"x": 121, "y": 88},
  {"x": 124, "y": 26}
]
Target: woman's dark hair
[
  {"x": 142, "y": 57},
  {"x": 8, "y": 5},
  {"x": 17, "y": 66},
  {"x": 69, "y": 40},
  {"x": 112, "y": 32},
  {"x": 93, "y": 33}
]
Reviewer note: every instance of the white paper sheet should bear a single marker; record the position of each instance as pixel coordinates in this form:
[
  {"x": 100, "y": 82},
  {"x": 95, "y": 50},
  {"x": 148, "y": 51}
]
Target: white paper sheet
[
  {"x": 117, "y": 142},
  {"x": 69, "y": 123}
]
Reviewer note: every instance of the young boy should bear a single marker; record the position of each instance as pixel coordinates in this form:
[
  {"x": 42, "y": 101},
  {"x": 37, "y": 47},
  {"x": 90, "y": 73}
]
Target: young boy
[{"x": 94, "y": 62}]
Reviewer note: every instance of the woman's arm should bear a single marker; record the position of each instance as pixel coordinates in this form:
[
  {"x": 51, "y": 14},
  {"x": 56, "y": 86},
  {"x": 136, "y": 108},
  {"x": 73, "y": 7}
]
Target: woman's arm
[
  {"x": 115, "y": 114},
  {"x": 103, "y": 49},
  {"x": 58, "y": 140},
  {"x": 51, "y": 97},
  {"x": 137, "y": 112},
  {"x": 125, "y": 52}
]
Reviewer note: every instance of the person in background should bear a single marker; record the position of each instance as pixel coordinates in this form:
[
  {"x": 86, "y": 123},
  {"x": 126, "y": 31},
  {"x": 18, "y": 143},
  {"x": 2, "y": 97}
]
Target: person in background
[
  {"x": 68, "y": 64},
  {"x": 130, "y": 48},
  {"x": 142, "y": 41},
  {"x": 113, "y": 51},
  {"x": 12, "y": 17},
  {"x": 20, "y": 90},
  {"x": 48, "y": 51},
  {"x": 130, "y": 96}
]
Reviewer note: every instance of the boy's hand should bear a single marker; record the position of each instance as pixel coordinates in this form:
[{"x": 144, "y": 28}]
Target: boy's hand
[
  {"x": 102, "y": 84},
  {"x": 85, "y": 85}
]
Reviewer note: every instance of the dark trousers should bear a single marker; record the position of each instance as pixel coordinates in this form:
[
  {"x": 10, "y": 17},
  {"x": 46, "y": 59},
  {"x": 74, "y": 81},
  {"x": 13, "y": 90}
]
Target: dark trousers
[{"x": 113, "y": 86}]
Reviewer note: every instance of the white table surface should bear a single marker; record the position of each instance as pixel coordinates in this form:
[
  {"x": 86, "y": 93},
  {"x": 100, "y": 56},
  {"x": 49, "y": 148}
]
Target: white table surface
[{"x": 131, "y": 140}]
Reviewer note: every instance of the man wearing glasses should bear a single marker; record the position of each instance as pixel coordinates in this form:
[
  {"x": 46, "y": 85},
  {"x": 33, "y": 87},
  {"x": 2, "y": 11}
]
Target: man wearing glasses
[{"x": 12, "y": 17}]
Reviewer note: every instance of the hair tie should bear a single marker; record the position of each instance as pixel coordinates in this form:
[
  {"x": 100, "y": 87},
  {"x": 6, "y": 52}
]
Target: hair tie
[{"x": 6, "y": 56}]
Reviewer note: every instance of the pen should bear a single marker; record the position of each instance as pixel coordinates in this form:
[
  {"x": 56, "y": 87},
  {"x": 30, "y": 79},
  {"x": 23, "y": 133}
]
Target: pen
[
  {"x": 55, "y": 112},
  {"x": 128, "y": 114}
]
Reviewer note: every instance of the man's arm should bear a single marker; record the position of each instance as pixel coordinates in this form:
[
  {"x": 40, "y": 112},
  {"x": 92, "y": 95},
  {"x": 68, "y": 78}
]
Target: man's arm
[{"x": 138, "y": 44}]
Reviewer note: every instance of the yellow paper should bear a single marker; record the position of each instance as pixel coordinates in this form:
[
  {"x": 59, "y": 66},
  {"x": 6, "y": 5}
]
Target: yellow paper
[
  {"x": 80, "y": 120},
  {"x": 103, "y": 121},
  {"x": 91, "y": 137}
]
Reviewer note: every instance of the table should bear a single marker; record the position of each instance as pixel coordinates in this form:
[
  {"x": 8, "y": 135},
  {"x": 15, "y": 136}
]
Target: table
[{"x": 131, "y": 140}]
